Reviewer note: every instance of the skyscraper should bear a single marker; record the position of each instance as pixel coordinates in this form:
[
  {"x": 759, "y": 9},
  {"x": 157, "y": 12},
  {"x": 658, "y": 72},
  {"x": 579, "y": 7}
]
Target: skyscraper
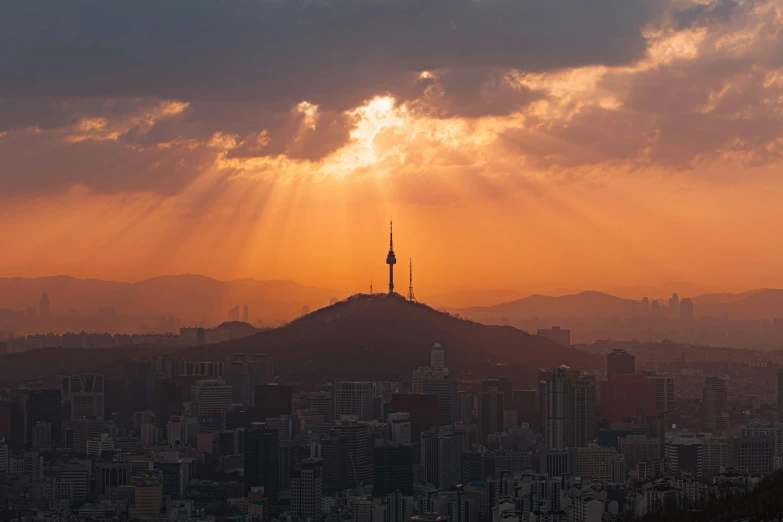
[
  {"x": 447, "y": 391},
  {"x": 87, "y": 396},
  {"x": 272, "y": 400},
  {"x": 686, "y": 309},
  {"x": 441, "y": 459},
  {"x": 42, "y": 405},
  {"x": 245, "y": 372},
  {"x": 664, "y": 393},
  {"x": 391, "y": 259},
  {"x": 307, "y": 490},
  {"x": 716, "y": 408},
  {"x": 353, "y": 398},
  {"x": 568, "y": 408},
  {"x": 674, "y": 305},
  {"x": 780, "y": 395},
  {"x": 213, "y": 399},
  {"x": 620, "y": 362},
  {"x": 261, "y": 459},
  {"x": 491, "y": 408},
  {"x": 437, "y": 357},
  {"x": 357, "y": 442},
  {"x": 392, "y": 469},
  {"x": 168, "y": 402},
  {"x": 246, "y": 314},
  {"x": 45, "y": 307}
]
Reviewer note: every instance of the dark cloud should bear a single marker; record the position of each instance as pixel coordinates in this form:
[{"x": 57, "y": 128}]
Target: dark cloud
[
  {"x": 701, "y": 15},
  {"x": 332, "y": 53}
]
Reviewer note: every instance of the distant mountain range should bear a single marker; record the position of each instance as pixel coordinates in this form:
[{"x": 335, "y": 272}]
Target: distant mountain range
[
  {"x": 190, "y": 297},
  {"x": 757, "y": 304},
  {"x": 366, "y": 336}
]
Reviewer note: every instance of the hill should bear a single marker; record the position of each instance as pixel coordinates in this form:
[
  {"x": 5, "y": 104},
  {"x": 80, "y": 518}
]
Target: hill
[
  {"x": 762, "y": 304},
  {"x": 378, "y": 335},
  {"x": 584, "y": 304},
  {"x": 190, "y": 297}
]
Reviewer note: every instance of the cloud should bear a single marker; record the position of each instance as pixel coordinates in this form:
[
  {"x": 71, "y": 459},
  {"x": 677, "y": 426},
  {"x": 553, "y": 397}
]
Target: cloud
[{"x": 332, "y": 53}]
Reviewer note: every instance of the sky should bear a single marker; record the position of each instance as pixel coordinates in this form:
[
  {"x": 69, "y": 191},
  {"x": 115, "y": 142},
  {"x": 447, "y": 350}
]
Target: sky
[{"x": 522, "y": 145}]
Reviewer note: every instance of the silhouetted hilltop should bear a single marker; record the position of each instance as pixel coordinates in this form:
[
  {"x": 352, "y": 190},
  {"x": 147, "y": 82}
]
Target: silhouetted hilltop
[
  {"x": 374, "y": 335},
  {"x": 238, "y": 329},
  {"x": 584, "y": 304},
  {"x": 761, "y": 304}
]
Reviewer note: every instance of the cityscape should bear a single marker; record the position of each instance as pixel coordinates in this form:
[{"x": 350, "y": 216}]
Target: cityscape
[
  {"x": 391, "y": 261},
  {"x": 641, "y": 430}
]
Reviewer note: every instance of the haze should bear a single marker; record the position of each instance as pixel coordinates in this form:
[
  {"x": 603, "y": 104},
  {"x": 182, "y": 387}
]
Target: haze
[{"x": 525, "y": 147}]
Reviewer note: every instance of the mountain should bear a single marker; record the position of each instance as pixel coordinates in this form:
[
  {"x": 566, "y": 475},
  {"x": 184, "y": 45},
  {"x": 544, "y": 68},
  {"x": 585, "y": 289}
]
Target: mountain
[
  {"x": 366, "y": 336},
  {"x": 468, "y": 298},
  {"x": 584, "y": 304},
  {"x": 761, "y": 304},
  {"x": 662, "y": 290},
  {"x": 377, "y": 335},
  {"x": 189, "y": 297},
  {"x": 723, "y": 297}
]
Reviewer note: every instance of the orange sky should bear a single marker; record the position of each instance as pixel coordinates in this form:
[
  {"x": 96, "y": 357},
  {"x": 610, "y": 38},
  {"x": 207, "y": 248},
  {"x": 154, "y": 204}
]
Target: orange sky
[{"x": 663, "y": 168}]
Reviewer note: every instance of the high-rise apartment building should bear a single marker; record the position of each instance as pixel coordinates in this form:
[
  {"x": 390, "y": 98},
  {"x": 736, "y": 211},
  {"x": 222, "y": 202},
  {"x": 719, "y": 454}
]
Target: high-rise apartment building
[
  {"x": 568, "y": 408},
  {"x": 716, "y": 407},
  {"x": 664, "y": 392},
  {"x": 354, "y": 399}
]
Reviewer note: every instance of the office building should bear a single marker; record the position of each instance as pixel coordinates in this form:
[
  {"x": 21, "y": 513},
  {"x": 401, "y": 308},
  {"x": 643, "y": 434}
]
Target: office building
[
  {"x": 41, "y": 405},
  {"x": 168, "y": 401},
  {"x": 753, "y": 454},
  {"x": 85, "y": 429},
  {"x": 353, "y": 399},
  {"x": 446, "y": 390},
  {"x": 307, "y": 490},
  {"x": 490, "y": 413},
  {"x": 4, "y": 456},
  {"x": 556, "y": 334},
  {"x": 320, "y": 401},
  {"x": 358, "y": 443},
  {"x": 596, "y": 463},
  {"x": 638, "y": 448},
  {"x": 175, "y": 475},
  {"x": 213, "y": 401},
  {"x": 627, "y": 397},
  {"x": 437, "y": 357},
  {"x": 42, "y": 435},
  {"x": 400, "y": 426},
  {"x": 684, "y": 455},
  {"x": 716, "y": 407},
  {"x": 147, "y": 497},
  {"x": 86, "y": 395},
  {"x": 392, "y": 469},
  {"x": 272, "y": 400},
  {"x": 261, "y": 459},
  {"x": 620, "y": 362},
  {"x": 245, "y": 372},
  {"x": 421, "y": 409},
  {"x": 441, "y": 459}
]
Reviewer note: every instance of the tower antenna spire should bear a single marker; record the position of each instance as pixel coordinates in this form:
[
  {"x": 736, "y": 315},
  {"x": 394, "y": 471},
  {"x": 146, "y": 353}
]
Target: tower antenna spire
[
  {"x": 411, "y": 297},
  {"x": 391, "y": 259}
]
